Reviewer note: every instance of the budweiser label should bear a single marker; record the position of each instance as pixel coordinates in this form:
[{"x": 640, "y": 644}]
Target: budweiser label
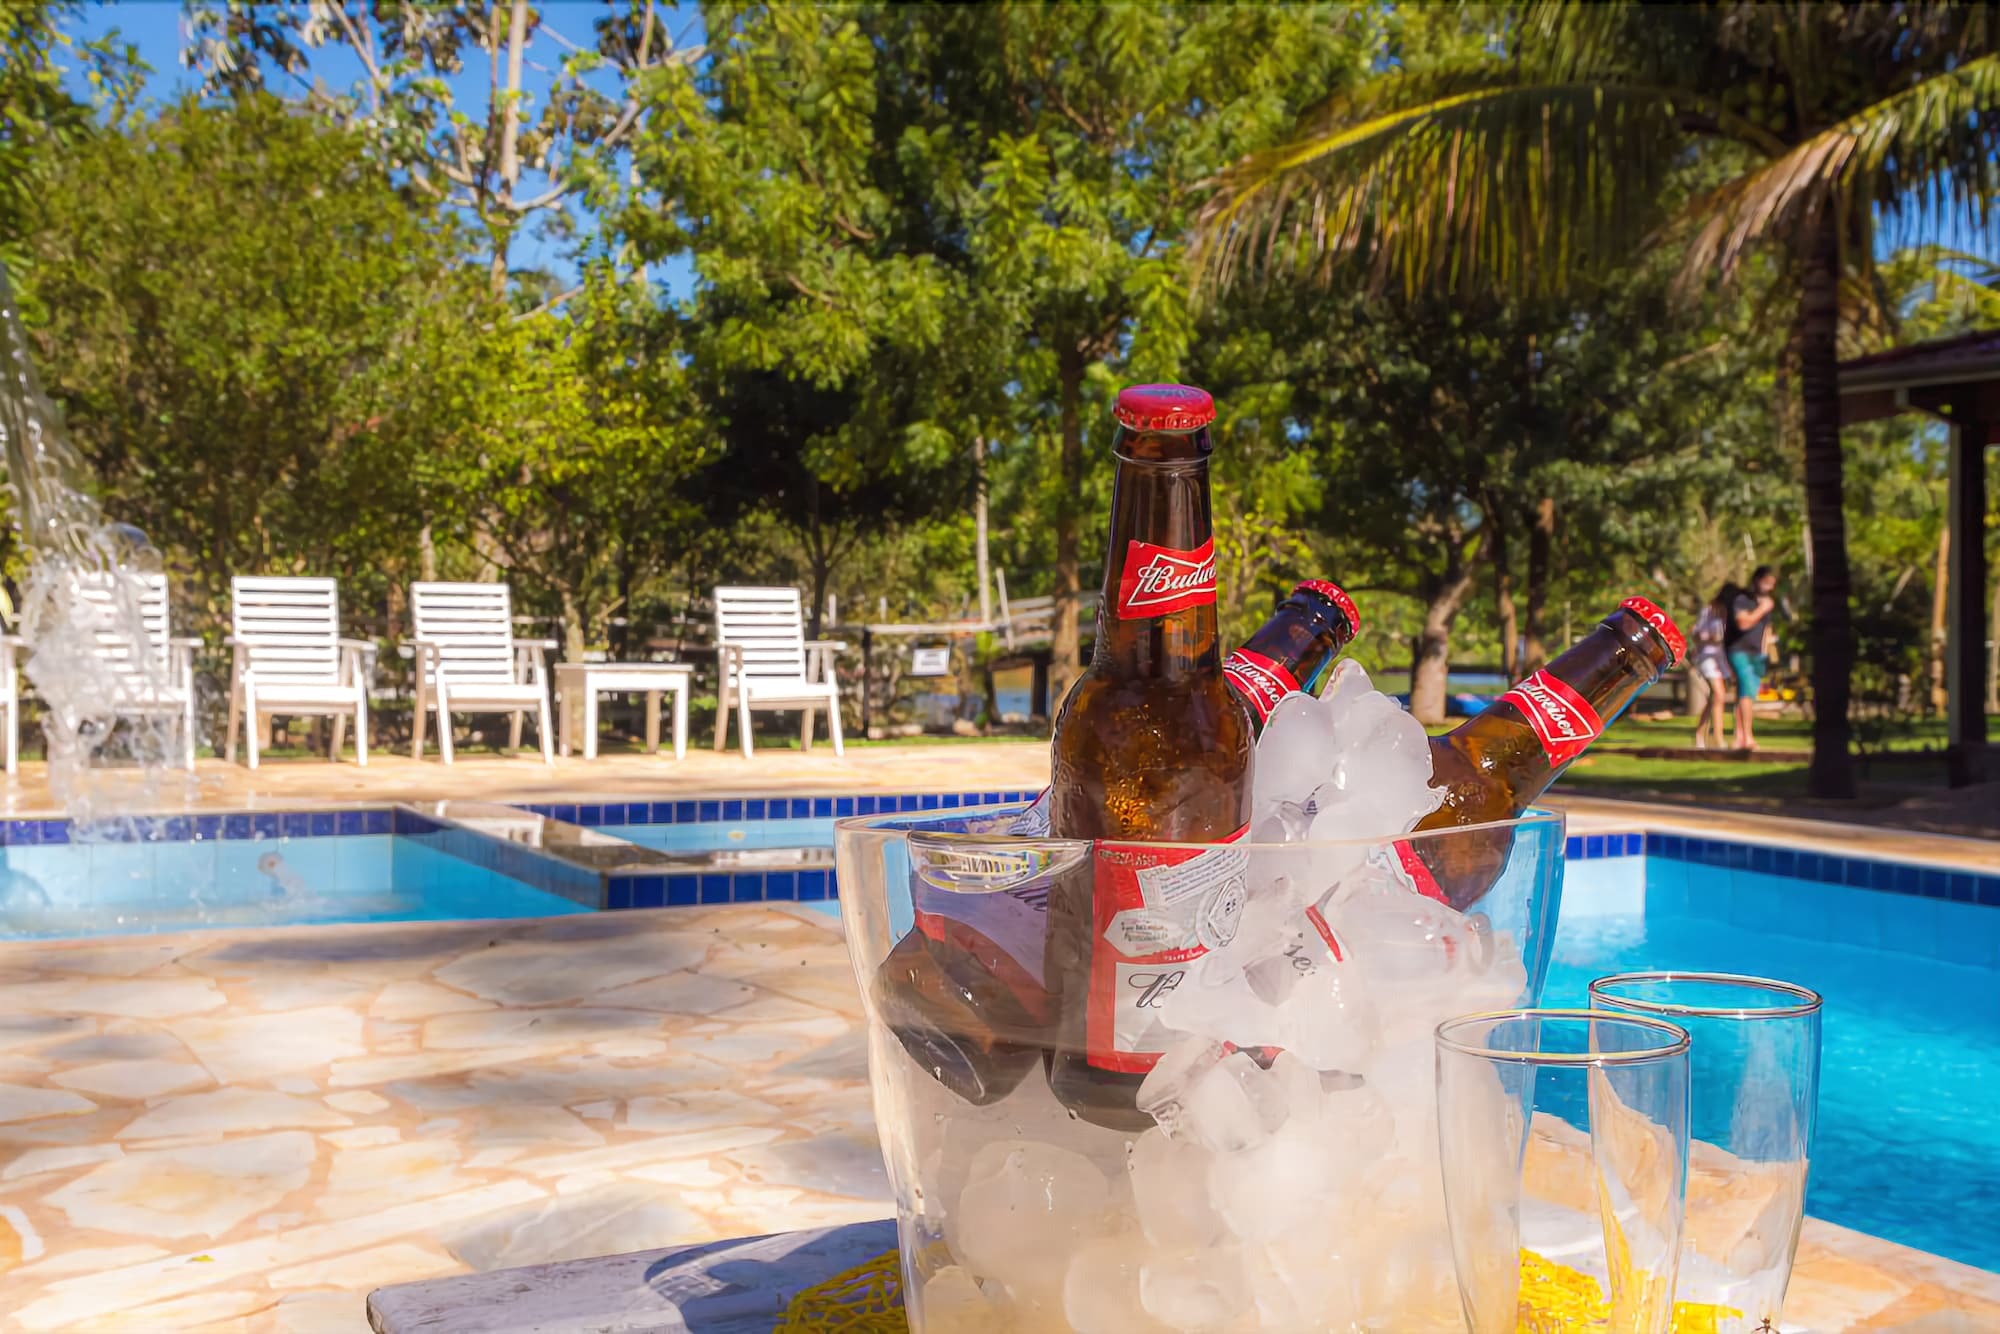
[
  {"x": 1259, "y": 679},
  {"x": 1416, "y": 873},
  {"x": 1563, "y": 720},
  {"x": 1158, "y": 909},
  {"x": 1159, "y": 580}
]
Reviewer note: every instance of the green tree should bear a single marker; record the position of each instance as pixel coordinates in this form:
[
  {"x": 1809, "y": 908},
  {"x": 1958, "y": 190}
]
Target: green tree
[
  {"x": 567, "y": 474},
  {"x": 1549, "y": 162},
  {"x": 244, "y": 319},
  {"x": 505, "y": 165}
]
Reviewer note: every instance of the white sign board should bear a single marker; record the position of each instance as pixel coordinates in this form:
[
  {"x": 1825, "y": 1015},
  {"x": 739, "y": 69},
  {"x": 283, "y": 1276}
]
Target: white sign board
[{"x": 930, "y": 662}]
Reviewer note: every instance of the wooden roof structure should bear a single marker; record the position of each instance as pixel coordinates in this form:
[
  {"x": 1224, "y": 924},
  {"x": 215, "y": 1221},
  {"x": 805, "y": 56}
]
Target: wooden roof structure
[{"x": 1956, "y": 381}]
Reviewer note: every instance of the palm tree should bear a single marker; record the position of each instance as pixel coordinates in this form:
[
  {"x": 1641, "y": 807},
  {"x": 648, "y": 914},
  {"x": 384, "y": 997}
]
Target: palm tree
[{"x": 1567, "y": 146}]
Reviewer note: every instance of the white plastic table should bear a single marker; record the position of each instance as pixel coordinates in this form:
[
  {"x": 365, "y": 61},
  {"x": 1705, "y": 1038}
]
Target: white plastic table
[{"x": 578, "y": 684}]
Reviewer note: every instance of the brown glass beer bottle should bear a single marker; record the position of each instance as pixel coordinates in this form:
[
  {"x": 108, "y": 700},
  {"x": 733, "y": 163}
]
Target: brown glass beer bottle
[
  {"x": 1151, "y": 745},
  {"x": 1292, "y": 651},
  {"x": 973, "y": 1010},
  {"x": 1493, "y": 765}
]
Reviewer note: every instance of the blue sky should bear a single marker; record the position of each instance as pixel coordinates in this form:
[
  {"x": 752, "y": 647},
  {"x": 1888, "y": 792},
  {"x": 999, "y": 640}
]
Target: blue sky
[{"x": 157, "y": 29}]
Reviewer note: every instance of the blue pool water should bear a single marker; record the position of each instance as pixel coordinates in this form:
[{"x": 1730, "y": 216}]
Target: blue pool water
[
  {"x": 86, "y": 889},
  {"x": 1908, "y": 1144}
]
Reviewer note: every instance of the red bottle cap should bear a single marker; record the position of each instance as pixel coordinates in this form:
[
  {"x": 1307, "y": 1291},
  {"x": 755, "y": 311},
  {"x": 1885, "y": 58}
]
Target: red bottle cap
[
  {"x": 1335, "y": 594},
  {"x": 1163, "y": 407},
  {"x": 1663, "y": 625}
]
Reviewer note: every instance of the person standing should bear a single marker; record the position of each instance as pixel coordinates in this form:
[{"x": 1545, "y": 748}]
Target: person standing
[
  {"x": 1749, "y": 624},
  {"x": 1711, "y": 665}
]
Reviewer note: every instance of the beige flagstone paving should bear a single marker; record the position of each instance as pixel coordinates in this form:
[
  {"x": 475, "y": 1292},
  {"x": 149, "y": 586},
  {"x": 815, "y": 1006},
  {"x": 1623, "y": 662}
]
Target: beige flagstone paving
[{"x": 254, "y": 1154}]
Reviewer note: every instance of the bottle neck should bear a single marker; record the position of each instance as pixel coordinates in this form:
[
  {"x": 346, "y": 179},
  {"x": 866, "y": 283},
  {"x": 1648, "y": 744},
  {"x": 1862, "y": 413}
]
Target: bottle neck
[
  {"x": 1560, "y": 711},
  {"x": 1157, "y": 616},
  {"x": 1303, "y": 638}
]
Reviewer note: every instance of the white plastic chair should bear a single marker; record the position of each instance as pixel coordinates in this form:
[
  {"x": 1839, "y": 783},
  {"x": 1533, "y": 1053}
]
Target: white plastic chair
[
  {"x": 468, "y": 660},
  {"x": 10, "y": 698},
  {"x": 165, "y": 683},
  {"x": 290, "y": 659},
  {"x": 762, "y": 662}
]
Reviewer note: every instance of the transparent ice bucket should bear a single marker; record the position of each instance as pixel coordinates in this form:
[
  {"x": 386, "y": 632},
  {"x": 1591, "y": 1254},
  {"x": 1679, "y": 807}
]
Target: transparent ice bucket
[{"x": 1278, "y": 1166}]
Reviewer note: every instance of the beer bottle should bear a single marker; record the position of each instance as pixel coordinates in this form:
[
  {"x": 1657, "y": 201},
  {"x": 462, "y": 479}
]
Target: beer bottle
[
  {"x": 1151, "y": 745},
  {"x": 1493, "y": 765},
  {"x": 1295, "y": 648},
  {"x": 972, "y": 1010}
]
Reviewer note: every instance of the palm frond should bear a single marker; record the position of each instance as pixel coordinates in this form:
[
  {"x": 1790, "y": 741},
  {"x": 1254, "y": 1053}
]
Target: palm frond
[
  {"x": 1445, "y": 185},
  {"x": 1923, "y": 156}
]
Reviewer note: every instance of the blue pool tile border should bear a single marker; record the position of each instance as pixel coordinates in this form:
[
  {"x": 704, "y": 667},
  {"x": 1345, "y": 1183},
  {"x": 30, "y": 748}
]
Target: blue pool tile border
[
  {"x": 643, "y": 889},
  {"x": 732, "y": 809},
  {"x": 227, "y": 826},
  {"x": 1910, "y": 879}
]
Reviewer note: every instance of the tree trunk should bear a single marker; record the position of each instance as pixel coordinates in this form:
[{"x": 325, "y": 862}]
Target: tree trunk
[
  {"x": 1541, "y": 538},
  {"x": 1432, "y": 666},
  {"x": 1940, "y": 695},
  {"x": 1832, "y": 639},
  {"x": 572, "y": 623},
  {"x": 1993, "y": 653},
  {"x": 510, "y": 140},
  {"x": 979, "y": 556},
  {"x": 618, "y": 635},
  {"x": 1066, "y": 643},
  {"x": 1503, "y": 592},
  {"x": 427, "y": 554}
]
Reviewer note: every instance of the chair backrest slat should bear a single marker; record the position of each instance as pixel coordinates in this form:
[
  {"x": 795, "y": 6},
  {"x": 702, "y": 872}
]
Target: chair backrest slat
[
  {"x": 290, "y": 628},
  {"x": 768, "y": 624},
  {"x": 114, "y": 598},
  {"x": 472, "y": 625}
]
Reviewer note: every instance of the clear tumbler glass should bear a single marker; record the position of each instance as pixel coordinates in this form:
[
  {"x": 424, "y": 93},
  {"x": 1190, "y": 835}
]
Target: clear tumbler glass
[
  {"x": 1754, "y": 1089},
  {"x": 1563, "y": 1137}
]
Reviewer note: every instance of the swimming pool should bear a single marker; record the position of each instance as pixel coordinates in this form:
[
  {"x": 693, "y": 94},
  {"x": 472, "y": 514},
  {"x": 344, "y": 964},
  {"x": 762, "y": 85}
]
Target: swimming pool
[
  {"x": 253, "y": 876},
  {"x": 1907, "y": 1145}
]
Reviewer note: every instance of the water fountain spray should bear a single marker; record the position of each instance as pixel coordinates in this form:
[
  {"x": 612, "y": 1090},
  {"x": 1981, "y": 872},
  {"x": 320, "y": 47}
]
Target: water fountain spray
[{"x": 91, "y": 655}]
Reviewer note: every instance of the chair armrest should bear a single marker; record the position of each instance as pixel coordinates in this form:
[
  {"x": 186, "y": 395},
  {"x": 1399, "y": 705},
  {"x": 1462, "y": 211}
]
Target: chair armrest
[
  {"x": 835, "y": 645},
  {"x": 534, "y": 653},
  {"x": 544, "y": 644},
  {"x": 185, "y": 641},
  {"x": 358, "y": 645},
  {"x": 823, "y": 651}
]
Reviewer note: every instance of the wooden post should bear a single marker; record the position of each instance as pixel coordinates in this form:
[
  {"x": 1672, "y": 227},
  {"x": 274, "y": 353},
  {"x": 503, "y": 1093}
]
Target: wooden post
[
  {"x": 1038, "y": 689},
  {"x": 867, "y": 643},
  {"x": 1965, "y": 650}
]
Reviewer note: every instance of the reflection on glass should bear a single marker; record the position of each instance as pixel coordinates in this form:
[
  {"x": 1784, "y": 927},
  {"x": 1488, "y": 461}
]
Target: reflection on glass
[{"x": 1754, "y": 1085}]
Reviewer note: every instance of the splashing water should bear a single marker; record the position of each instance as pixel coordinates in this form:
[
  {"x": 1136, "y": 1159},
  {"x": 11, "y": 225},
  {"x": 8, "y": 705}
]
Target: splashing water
[
  {"x": 92, "y": 656},
  {"x": 285, "y": 882}
]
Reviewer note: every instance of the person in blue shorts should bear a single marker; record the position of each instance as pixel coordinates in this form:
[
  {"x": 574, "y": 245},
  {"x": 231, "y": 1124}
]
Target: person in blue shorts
[{"x": 1743, "y": 639}]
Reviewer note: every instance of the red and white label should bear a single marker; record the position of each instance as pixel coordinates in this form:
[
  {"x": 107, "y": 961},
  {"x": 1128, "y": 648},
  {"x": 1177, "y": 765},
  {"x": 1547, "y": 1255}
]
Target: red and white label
[
  {"x": 1418, "y": 873},
  {"x": 1156, "y": 910},
  {"x": 1259, "y": 679},
  {"x": 1159, "y": 580},
  {"x": 1563, "y": 720}
]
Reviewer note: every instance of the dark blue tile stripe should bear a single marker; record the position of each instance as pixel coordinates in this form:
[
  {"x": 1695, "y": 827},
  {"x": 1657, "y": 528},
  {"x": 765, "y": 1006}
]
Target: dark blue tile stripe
[
  {"x": 733, "y": 809},
  {"x": 236, "y": 825},
  {"x": 1915, "y": 881}
]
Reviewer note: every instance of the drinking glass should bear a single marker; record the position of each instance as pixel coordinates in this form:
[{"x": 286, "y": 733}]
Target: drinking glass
[
  {"x": 1754, "y": 1085},
  {"x": 1563, "y": 1138}
]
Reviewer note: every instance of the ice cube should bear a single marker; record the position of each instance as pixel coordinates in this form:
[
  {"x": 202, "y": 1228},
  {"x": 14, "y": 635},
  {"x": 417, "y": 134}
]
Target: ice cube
[
  {"x": 1166, "y": 1087},
  {"x": 1273, "y": 1187},
  {"x": 1230, "y": 1106},
  {"x": 1197, "y": 1291},
  {"x": 1025, "y": 1207},
  {"x": 1291, "y": 753},
  {"x": 950, "y": 1302},
  {"x": 1101, "y": 1290},
  {"x": 1170, "y": 1191},
  {"x": 1304, "y": 1282}
]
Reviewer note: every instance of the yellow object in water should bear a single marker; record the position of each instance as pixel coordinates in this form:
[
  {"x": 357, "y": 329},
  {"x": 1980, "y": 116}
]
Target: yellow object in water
[
  {"x": 867, "y": 1299},
  {"x": 1556, "y": 1299}
]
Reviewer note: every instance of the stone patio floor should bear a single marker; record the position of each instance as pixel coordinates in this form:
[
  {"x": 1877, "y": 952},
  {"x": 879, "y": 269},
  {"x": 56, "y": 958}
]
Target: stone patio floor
[{"x": 251, "y": 1130}]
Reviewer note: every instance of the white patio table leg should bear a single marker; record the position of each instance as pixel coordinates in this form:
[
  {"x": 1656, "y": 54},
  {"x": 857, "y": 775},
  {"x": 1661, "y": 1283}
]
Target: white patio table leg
[
  {"x": 652, "y": 722},
  {"x": 589, "y": 719},
  {"x": 681, "y": 719}
]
